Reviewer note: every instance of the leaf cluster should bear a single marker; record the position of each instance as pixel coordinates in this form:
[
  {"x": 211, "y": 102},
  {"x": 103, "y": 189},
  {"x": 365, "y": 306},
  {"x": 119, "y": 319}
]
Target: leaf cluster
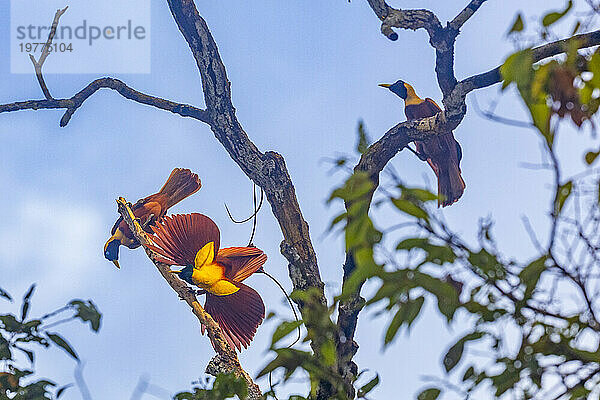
[{"x": 20, "y": 334}]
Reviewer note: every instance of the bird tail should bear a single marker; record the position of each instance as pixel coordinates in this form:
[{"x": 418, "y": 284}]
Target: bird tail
[
  {"x": 238, "y": 314},
  {"x": 181, "y": 184},
  {"x": 450, "y": 184}
]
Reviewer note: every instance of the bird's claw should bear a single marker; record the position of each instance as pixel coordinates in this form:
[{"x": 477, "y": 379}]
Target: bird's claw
[{"x": 195, "y": 292}]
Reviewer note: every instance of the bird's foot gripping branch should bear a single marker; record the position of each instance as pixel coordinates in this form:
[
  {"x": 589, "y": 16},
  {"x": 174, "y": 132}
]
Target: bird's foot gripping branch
[{"x": 226, "y": 361}]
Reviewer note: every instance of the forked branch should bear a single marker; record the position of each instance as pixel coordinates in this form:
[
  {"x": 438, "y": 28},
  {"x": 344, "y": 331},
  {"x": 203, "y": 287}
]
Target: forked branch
[{"x": 38, "y": 64}]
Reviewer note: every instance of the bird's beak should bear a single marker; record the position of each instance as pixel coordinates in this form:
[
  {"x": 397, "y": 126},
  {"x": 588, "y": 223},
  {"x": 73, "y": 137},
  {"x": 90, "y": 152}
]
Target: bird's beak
[
  {"x": 174, "y": 272},
  {"x": 385, "y": 85},
  {"x": 116, "y": 262}
]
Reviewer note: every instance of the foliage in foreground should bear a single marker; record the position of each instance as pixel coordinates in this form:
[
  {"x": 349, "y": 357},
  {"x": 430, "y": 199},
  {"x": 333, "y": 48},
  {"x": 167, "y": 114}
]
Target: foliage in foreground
[
  {"x": 547, "y": 301},
  {"x": 21, "y": 336}
]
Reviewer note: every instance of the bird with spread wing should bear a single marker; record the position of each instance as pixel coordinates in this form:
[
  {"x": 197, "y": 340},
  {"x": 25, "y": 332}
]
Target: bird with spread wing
[
  {"x": 180, "y": 184},
  {"x": 192, "y": 241}
]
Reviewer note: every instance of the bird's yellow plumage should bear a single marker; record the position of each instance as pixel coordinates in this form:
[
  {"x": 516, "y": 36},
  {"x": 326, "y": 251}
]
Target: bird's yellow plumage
[
  {"x": 411, "y": 95},
  {"x": 209, "y": 275}
]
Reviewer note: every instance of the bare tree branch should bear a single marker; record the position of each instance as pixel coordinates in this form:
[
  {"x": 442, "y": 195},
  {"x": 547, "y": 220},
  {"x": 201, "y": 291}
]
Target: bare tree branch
[
  {"x": 441, "y": 38},
  {"x": 465, "y": 14},
  {"x": 73, "y": 103},
  {"x": 226, "y": 361},
  {"x": 267, "y": 170},
  {"x": 45, "y": 51}
]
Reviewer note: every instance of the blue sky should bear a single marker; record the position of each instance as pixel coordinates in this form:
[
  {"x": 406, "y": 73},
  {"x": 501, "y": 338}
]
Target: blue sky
[{"x": 303, "y": 74}]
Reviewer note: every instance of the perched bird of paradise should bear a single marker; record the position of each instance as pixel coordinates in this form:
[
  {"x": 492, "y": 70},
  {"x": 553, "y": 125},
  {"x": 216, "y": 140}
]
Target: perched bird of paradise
[
  {"x": 192, "y": 241},
  {"x": 180, "y": 184},
  {"x": 442, "y": 152}
]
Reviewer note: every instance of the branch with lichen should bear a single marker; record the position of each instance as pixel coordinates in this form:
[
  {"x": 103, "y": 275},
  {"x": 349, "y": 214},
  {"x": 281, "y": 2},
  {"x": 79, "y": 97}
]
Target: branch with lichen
[{"x": 226, "y": 360}]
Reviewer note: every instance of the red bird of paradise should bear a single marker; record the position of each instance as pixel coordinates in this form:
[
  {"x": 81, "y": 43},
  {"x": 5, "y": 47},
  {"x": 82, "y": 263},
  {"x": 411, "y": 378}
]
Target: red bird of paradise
[
  {"x": 442, "y": 152},
  {"x": 180, "y": 184},
  {"x": 192, "y": 241}
]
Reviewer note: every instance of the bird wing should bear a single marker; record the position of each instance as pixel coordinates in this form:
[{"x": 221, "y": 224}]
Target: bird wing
[
  {"x": 179, "y": 237},
  {"x": 241, "y": 262},
  {"x": 424, "y": 109},
  {"x": 238, "y": 314},
  {"x": 432, "y": 106}
]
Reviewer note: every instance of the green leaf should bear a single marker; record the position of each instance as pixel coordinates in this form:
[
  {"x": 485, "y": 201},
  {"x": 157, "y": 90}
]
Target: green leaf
[
  {"x": 5, "y": 353},
  {"x": 328, "y": 353},
  {"x": 87, "y": 312},
  {"x": 487, "y": 264},
  {"x": 530, "y": 275},
  {"x": 454, "y": 353},
  {"x": 564, "y": 191},
  {"x": 505, "y": 380},
  {"x": 225, "y": 386},
  {"x": 418, "y": 194},
  {"x": 10, "y": 323},
  {"x": 518, "y": 25},
  {"x": 284, "y": 329},
  {"x": 410, "y": 208},
  {"x": 591, "y": 156},
  {"x": 363, "y": 138},
  {"x": 446, "y": 294},
  {"x": 553, "y": 17},
  {"x": 518, "y": 68},
  {"x": 62, "y": 389},
  {"x": 5, "y": 294},
  {"x": 337, "y": 220},
  {"x": 27, "y": 302},
  {"x": 469, "y": 373},
  {"x": 411, "y": 243},
  {"x": 62, "y": 343},
  {"x": 365, "y": 389},
  {"x": 289, "y": 359},
  {"x": 406, "y": 314},
  {"x": 429, "y": 394},
  {"x": 366, "y": 268}
]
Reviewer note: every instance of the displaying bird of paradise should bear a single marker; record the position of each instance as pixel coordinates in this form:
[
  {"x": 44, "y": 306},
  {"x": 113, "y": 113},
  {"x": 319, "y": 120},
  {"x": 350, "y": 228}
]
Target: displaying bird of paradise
[
  {"x": 180, "y": 184},
  {"x": 442, "y": 152},
  {"x": 192, "y": 241}
]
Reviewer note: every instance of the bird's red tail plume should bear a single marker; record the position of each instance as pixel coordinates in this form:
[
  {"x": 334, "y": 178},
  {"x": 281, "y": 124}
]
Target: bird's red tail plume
[
  {"x": 181, "y": 184},
  {"x": 238, "y": 314},
  {"x": 450, "y": 184}
]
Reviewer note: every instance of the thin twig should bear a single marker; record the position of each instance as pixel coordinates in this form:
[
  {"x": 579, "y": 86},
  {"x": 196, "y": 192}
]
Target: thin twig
[
  {"x": 45, "y": 51},
  {"x": 73, "y": 103}
]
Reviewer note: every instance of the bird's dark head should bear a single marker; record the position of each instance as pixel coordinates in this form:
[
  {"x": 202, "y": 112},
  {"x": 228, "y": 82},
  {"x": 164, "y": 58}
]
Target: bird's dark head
[
  {"x": 398, "y": 88},
  {"x": 111, "y": 251},
  {"x": 186, "y": 274}
]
